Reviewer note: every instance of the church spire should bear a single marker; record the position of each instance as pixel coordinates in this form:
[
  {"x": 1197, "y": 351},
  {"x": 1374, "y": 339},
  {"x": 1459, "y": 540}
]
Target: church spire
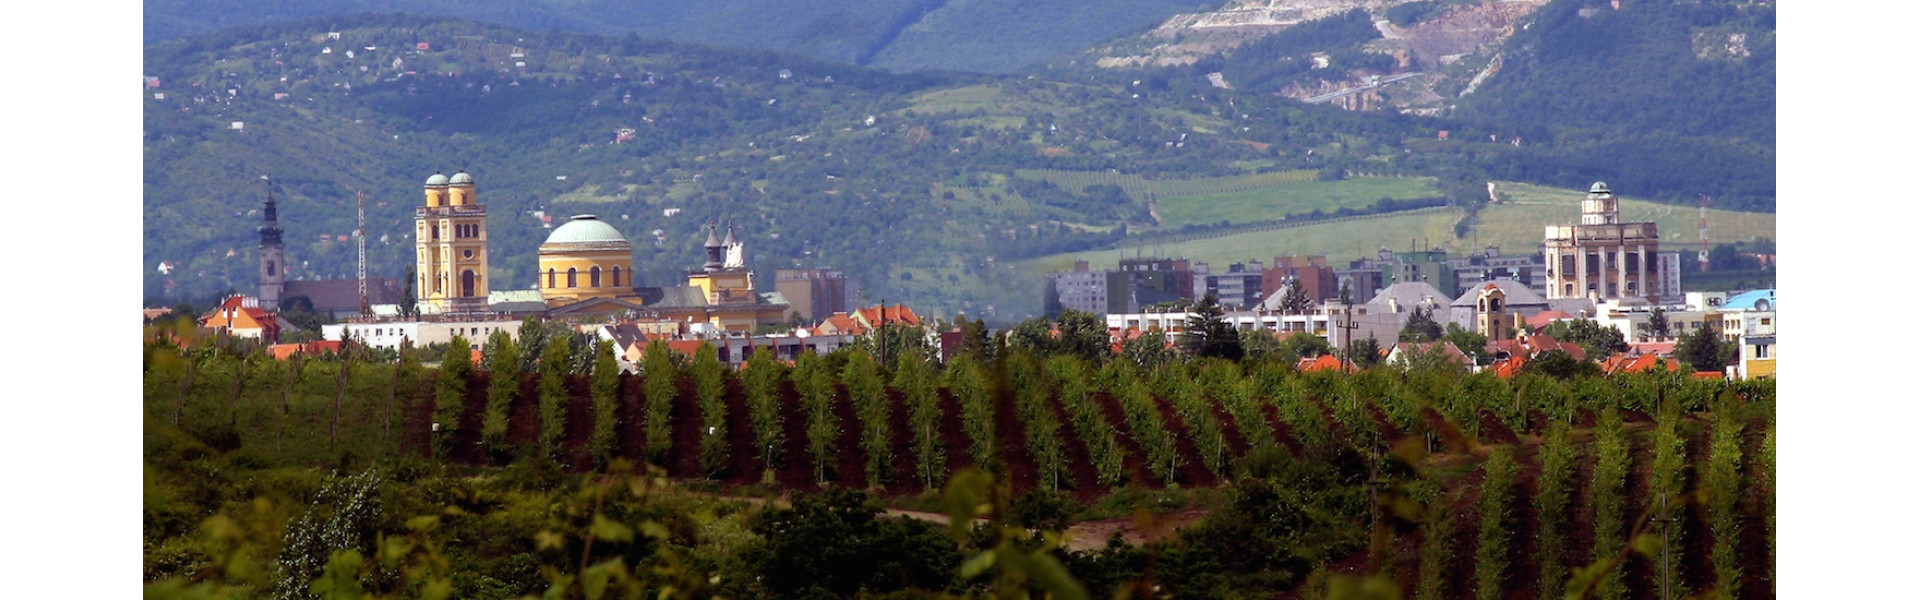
[
  {"x": 714, "y": 250},
  {"x": 273, "y": 276},
  {"x": 270, "y": 226}
]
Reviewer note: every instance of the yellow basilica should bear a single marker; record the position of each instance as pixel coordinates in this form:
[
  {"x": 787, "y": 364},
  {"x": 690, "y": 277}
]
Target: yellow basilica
[{"x": 586, "y": 269}]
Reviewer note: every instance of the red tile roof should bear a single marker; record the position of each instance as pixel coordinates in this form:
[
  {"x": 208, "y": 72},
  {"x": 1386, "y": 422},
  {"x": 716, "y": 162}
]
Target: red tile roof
[
  {"x": 1326, "y": 362},
  {"x": 1656, "y": 348},
  {"x": 1637, "y": 363},
  {"x": 239, "y": 313},
  {"x": 840, "y": 323},
  {"x": 1544, "y": 318},
  {"x": 1446, "y": 348},
  {"x": 316, "y": 348},
  {"x": 1536, "y": 344},
  {"x": 881, "y": 315},
  {"x": 1506, "y": 368}
]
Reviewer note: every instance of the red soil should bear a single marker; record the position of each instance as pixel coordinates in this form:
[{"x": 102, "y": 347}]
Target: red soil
[
  {"x": 1229, "y": 429},
  {"x": 1692, "y": 538},
  {"x": 1135, "y": 463},
  {"x": 953, "y": 434},
  {"x": 1083, "y": 479},
  {"x": 1493, "y": 430},
  {"x": 1282, "y": 432},
  {"x": 1192, "y": 470},
  {"x": 1021, "y": 470},
  {"x": 850, "y": 470}
]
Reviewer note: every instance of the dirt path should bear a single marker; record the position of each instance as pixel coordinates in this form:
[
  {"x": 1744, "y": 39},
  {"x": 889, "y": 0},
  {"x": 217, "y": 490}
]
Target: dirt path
[
  {"x": 1093, "y": 535},
  {"x": 1082, "y": 536}
]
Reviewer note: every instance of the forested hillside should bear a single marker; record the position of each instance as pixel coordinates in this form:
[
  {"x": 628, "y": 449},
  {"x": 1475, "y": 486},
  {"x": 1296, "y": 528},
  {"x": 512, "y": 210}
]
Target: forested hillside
[
  {"x": 990, "y": 36},
  {"x": 1671, "y": 99},
  {"x": 1667, "y": 95},
  {"x": 819, "y": 164}
]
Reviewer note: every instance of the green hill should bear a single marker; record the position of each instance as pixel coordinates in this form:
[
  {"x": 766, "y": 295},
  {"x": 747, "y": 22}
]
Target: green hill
[
  {"x": 1515, "y": 225},
  {"x": 899, "y": 35},
  {"x": 1669, "y": 99},
  {"x": 947, "y": 176},
  {"x": 1652, "y": 96}
]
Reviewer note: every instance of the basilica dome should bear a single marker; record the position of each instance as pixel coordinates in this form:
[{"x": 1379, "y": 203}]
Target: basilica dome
[
  {"x": 585, "y": 229},
  {"x": 585, "y": 258}
]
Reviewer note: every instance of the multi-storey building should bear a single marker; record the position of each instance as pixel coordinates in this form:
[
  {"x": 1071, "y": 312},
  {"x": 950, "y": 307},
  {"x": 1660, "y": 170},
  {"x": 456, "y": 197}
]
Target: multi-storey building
[
  {"x": 1240, "y": 287},
  {"x": 816, "y": 293},
  {"x": 1470, "y": 272},
  {"x": 1603, "y": 257},
  {"x": 1429, "y": 266},
  {"x": 1311, "y": 273},
  {"x": 1147, "y": 281},
  {"x": 1081, "y": 289}
]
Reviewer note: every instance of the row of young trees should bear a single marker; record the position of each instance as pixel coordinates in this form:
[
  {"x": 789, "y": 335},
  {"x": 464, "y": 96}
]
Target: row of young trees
[
  {"x": 1159, "y": 419},
  {"x": 1191, "y": 391}
]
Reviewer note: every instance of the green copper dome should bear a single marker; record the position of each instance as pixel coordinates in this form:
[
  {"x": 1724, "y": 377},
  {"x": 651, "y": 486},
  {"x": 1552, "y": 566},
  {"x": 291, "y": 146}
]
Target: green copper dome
[
  {"x": 461, "y": 177},
  {"x": 1599, "y": 187},
  {"x": 585, "y": 229},
  {"x": 436, "y": 180}
]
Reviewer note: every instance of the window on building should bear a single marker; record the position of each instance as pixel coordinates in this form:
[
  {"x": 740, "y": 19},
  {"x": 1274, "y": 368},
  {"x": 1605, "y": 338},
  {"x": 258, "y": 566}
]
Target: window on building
[
  {"x": 549, "y": 277},
  {"x": 573, "y": 277},
  {"x": 593, "y": 277},
  {"x": 1762, "y": 351},
  {"x": 616, "y": 277}
]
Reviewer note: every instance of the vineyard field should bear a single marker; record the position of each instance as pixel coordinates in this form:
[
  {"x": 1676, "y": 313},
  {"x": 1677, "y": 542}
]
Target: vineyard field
[
  {"x": 1091, "y": 431},
  {"x": 1244, "y": 198}
]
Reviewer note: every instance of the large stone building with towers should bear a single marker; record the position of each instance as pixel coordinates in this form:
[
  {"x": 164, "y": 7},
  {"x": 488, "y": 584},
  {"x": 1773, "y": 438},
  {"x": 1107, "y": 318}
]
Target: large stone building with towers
[
  {"x": 450, "y": 235},
  {"x": 1603, "y": 258},
  {"x": 586, "y": 271}
]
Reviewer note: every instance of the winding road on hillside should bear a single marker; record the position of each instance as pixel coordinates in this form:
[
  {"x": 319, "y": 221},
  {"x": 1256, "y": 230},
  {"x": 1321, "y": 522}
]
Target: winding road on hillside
[{"x": 1355, "y": 90}]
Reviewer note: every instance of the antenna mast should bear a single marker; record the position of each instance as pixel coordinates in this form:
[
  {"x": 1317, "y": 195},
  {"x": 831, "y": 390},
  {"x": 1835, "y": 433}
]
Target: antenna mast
[{"x": 360, "y": 236}]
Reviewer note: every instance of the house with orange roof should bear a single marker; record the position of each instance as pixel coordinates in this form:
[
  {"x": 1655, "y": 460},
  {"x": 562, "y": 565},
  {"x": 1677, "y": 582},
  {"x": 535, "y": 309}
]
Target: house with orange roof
[
  {"x": 242, "y": 316},
  {"x": 1625, "y": 363},
  {"x": 1542, "y": 319},
  {"x": 882, "y": 315},
  {"x": 1532, "y": 345},
  {"x": 1403, "y": 352},
  {"x": 314, "y": 348},
  {"x": 1511, "y": 355},
  {"x": 1325, "y": 362},
  {"x": 840, "y": 324},
  {"x": 1507, "y": 368}
]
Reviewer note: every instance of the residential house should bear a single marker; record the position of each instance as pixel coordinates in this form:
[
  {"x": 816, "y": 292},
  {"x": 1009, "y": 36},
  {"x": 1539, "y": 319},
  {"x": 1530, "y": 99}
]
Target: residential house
[
  {"x": 1638, "y": 363},
  {"x": 1751, "y": 320},
  {"x": 1511, "y": 355},
  {"x": 1405, "y": 351},
  {"x": 313, "y": 348},
  {"x": 242, "y": 316}
]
